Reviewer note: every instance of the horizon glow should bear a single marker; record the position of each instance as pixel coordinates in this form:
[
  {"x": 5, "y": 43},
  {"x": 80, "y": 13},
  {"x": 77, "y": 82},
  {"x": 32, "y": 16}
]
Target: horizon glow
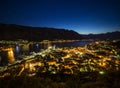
[{"x": 82, "y": 16}]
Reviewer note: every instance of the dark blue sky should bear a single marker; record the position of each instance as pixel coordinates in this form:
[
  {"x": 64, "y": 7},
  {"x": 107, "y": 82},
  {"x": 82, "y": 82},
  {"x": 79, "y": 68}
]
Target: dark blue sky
[{"x": 83, "y": 16}]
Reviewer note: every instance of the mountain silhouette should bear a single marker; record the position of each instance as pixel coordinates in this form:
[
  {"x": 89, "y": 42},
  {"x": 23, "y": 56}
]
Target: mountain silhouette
[
  {"x": 13, "y": 32},
  {"x": 103, "y": 36}
]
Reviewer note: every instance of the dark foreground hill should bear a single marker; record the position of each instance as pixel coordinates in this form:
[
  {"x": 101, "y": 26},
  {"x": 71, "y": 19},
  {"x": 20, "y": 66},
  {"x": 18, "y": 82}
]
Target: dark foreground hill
[
  {"x": 13, "y": 32},
  {"x": 104, "y": 36}
]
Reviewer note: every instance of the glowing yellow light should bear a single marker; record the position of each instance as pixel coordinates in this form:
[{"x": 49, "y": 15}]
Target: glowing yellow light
[
  {"x": 32, "y": 68},
  {"x": 11, "y": 56},
  {"x": 101, "y": 72},
  {"x": 97, "y": 42}
]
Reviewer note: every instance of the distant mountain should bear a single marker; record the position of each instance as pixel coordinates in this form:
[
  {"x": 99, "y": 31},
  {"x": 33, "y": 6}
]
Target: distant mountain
[
  {"x": 13, "y": 32},
  {"x": 103, "y": 36}
]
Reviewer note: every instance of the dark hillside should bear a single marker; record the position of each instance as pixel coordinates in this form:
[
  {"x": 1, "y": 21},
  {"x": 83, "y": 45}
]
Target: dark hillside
[
  {"x": 104, "y": 36},
  {"x": 13, "y": 32}
]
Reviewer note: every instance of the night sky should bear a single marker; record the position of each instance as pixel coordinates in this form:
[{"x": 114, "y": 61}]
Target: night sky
[{"x": 83, "y": 16}]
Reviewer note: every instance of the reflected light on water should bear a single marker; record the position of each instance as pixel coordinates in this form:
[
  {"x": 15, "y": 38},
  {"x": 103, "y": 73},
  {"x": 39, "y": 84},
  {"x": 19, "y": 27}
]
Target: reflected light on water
[
  {"x": 37, "y": 45},
  {"x": 17, "y": 49},
  {"x": 10, "y": 55}
]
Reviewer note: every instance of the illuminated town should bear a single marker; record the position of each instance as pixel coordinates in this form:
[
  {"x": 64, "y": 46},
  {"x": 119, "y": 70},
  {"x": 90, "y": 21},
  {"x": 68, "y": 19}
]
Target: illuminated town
[
  {"x": 60, "y": 44},
  {"x": 98, "y": 56}
]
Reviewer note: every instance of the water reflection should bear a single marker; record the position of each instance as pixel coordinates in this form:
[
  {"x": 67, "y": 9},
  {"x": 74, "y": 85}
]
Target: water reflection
[
  {"x": 7, "y": 56},
  {"x": 37, "y": 48},
  {"x": 17, "y": 49},
  {"x": 25, "y": 49},
  {"x": 10, "y": 55},
  {"x": 34, "y": 47},
  {"x": 37, "y": 45}
]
